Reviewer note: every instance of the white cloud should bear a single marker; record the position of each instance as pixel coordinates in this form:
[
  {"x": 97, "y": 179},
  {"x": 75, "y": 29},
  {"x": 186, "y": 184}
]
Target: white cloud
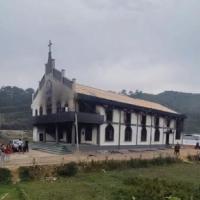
[{"x": 150, "y": 45}]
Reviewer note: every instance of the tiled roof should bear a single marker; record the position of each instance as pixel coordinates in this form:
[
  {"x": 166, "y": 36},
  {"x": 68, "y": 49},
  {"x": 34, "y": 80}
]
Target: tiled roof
[{"x": 103, "y": 94}]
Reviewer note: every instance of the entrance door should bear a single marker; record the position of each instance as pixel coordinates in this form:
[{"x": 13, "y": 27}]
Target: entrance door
[
  {"x": 167, "y": 138},
  {"x": 41, "y": 137}
]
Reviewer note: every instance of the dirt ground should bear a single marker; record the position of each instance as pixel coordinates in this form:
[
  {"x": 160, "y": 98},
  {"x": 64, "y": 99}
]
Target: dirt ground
[{"x": 41, "y": 158}]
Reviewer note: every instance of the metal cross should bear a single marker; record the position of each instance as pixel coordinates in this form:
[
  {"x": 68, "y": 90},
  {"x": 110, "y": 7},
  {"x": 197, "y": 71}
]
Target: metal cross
[{"x": 49, "y": 45}]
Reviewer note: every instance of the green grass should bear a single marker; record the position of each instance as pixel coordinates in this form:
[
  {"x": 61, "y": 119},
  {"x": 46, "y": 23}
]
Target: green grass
[{"x": 100, "y": 185}]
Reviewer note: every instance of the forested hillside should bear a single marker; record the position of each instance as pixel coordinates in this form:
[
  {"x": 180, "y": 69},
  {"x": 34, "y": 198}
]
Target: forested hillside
[{"x": 15, "y": 111}]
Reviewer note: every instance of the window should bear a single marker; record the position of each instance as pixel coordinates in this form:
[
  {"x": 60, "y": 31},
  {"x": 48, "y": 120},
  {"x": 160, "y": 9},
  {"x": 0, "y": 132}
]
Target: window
[
  {"x": 41, "y": 110},
  {"x": 36, "y": 112},
  {"x": 49, "y": 106},
  {"x": 127, "y": 118},
  {"x": 143, "y": 120},
  {"x": 109, "y": 115},
  {"x": 143, "y": 134},
  {"x": 58, "y": 107},
  {"x": 88, "y": 134},
  {"x": 157, "y": 121},
  {"x": 49, "y": 109},
  {"x": 128, "y": 134},
  {"x": 87, "y": 107},
  {"x": 168, "y": 121},
  {"x": 109, "y": 133},
  {"x": 157, "y": 135}
]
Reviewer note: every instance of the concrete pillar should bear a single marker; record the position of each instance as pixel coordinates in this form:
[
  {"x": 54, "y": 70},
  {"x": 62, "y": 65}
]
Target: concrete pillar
[
  {"x": 73, "y": 135},
  {"x": 57, "y": 139},
  {"x": 45, "y": 136}
]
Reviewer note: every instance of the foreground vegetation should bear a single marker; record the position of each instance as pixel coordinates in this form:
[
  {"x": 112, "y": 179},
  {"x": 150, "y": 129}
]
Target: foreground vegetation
[{"x": 167, "y": 180}]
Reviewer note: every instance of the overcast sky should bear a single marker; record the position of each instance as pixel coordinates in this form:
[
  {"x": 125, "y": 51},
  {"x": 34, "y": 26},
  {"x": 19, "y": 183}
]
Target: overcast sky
[{"x": 150, "y": 45}]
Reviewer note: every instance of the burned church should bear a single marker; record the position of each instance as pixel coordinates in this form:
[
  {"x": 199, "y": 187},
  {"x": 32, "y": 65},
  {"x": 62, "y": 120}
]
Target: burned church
[{"x": 65, "y": 111}]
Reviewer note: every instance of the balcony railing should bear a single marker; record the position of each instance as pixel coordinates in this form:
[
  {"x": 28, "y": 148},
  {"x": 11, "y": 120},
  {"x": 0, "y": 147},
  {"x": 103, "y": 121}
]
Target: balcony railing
[{"x": 89, "y": 118}]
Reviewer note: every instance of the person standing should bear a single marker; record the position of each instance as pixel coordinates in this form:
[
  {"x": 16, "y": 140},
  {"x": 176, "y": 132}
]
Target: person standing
[{"x": 177, "y": 149}]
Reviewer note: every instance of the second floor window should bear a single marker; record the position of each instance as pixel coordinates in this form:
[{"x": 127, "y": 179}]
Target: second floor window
[
  {"x": 58, "y": 107},
  {"x": 41, "y": 110},
  {"x": 109, "y": 115},
  {"x": 168, "y": 122},
  {"x": 49, "y": 106},
  {"x": 157, "y": 121},
  {"x": 127, "y": 118},
  {"x": 143, "y": 120}
]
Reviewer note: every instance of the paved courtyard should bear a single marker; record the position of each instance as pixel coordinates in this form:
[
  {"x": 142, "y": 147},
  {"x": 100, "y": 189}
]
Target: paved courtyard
[{"x": 42, "y": 158}]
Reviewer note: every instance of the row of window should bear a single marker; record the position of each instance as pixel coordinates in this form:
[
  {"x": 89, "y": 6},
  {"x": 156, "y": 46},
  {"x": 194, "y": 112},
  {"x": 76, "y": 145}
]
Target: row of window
[
  {"x": 109, "y": 134},
  {"x": 59, "y": 109},
  {"x": 127, "y": 118}
]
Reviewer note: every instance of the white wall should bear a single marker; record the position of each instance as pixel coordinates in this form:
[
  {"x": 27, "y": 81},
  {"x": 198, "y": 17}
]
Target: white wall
[{"x": 35, "y": 134}]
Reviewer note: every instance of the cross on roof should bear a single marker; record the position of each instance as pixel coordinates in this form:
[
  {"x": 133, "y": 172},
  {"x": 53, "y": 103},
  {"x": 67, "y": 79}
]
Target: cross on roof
[{"x": 49, "y": 45}]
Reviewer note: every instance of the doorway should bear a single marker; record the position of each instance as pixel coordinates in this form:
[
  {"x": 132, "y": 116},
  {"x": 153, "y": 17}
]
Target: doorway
[
  {"x": 167, "y": 139},
  {"x": 41, "y": 137}
]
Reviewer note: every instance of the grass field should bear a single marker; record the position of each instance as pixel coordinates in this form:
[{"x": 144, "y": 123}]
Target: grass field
[{"x": 105, "y": 185}]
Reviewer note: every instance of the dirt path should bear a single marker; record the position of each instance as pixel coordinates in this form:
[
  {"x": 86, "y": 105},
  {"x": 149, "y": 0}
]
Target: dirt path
[{"x": 41, "y": 158}]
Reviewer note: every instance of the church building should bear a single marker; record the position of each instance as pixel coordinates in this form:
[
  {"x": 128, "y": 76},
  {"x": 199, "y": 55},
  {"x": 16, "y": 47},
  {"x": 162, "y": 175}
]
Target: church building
[{"x": 67, "y": 112}]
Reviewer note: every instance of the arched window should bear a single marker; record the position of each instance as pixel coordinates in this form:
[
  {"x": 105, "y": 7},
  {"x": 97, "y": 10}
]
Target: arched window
[
  {"x": 109, "y": 133},
  {"x": 143, "y": 134},
  {"x": 157, "y": 135},
  {"x": 128, "y": 134},
  {"x": 41, "y": 110}
]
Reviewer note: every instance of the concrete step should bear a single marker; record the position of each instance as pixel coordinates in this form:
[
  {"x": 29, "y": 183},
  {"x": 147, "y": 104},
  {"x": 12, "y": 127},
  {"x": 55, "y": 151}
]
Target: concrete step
[{"x": 51, "y": 148}]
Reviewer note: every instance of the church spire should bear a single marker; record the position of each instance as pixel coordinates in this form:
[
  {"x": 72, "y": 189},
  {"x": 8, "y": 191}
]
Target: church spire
[
  {"x": 49, "y": 45},
  {"x": 51, "y": 62}
]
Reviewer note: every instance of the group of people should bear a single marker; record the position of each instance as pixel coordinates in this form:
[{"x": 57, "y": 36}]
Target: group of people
[{"x": 13, "y": 146}]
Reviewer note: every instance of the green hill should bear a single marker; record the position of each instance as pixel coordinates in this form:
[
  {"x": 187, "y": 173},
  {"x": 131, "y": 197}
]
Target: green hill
[{"x": 15, "y": 111}]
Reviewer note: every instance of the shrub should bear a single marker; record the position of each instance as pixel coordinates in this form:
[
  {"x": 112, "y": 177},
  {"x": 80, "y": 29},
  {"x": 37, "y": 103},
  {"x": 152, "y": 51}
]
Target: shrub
[
  {"x": 125, "y": 164},
  {"x": 5, "y": 176},
  {"x": 194, "y": 157},
  {"x": 69, "y": 169},
  {"x": 25, "y": 174}
]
